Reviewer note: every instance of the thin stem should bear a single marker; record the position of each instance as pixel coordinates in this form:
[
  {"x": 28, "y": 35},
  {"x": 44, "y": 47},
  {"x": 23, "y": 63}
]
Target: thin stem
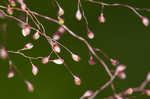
[
  {"x": 116, "y": 4},
  {"x": 22, "y": 54}
]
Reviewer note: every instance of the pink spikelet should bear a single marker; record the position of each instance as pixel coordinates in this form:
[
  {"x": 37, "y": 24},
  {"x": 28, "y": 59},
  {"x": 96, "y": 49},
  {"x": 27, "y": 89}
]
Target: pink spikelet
[
  {"x": 34, "y": 70},
  {"x": 30, "y": 86},
  {"x": 77, "y": 80},
  {"x": 145, "y": 21},
  {"x": 45, "y": 60}
]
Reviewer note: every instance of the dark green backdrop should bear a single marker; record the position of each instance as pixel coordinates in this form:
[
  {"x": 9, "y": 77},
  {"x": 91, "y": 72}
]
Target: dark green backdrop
[{"x": 123, "y": 37}]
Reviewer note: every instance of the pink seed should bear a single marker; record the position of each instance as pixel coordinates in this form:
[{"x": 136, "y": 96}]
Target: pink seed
[
  {"x": 75, "y": 57},
  {"x": 87, "y": 94},
  {"x": 58, "y": 61},
  {"x": 114, "y": 62},
  {"x": 78, "y": 15},
  {"x": 11, "y": 73},
  {"x": 36, "y": 35},
  {"x": 145, "y": 21},
  {"x": 129, "y": 91},
  {"x": 120, "y": 68},
  {"x": 101, "y": 18},
  {"x": 34, "y": 70},
  {"x": 45, "y": 60},
  {"x": 3, "y": 53},
  {"x": 60, "y": 12},
  {"x": 77, "y": 80},
  {"x": 90, "y": 34},
  {"x": 30, "y": 87},
  {"x": 28, "y": 46},
  {"x": 91, "y": 61}
]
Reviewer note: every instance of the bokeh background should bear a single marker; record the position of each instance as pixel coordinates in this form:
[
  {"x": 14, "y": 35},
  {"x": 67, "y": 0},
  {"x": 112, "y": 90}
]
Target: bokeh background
[{"x": 123, "y": 37}]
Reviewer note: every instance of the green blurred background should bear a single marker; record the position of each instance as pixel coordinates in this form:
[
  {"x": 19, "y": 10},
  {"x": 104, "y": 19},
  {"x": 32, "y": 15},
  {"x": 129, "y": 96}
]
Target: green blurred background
[{"x": 123, "y": 37}]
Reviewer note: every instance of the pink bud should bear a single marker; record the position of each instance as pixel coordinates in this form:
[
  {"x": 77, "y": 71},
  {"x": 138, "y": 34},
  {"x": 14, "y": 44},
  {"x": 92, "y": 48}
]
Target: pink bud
[
  {"x": 36, "y": 35},
  {"x": 101, "y": 18},
  {"x": 120, "y": 68},
  {"x": 129, "y": 91},
  {"x": 118, "y": 97},
  {"x": 75, "y": 57},
  {"x": 77, "y": 80},
  {"x": 61, "y": 30},
  {"x": 147, "y": 92},
  {"x": 145, "y": 21},
  {"x": 122, "y": 75},
  {"x": 12, "y": 3},
  {"x": 114, "y": 62},
  {"x": 56, "y": 48},
  {"x": 9, "y": 10},
  {"x": 56, "y": 36},
  {"x": 23, "y": 6},
  {"x": 91, "y": 61},
  {"x": 11, "y": 73},
  {"x": 45, "y": 60},
  {"x": 34, "y": 70},
  {"x": 28, "y": 46},
  {"x": 26, "y": 30},
  {"x": 58, "y": 61},
  {"x": 29, "y": 86},
  {"x": 78, "y": 15},
  {"x": 87, "y": 94},
  {"x": 90, "y": 34},
  {"x": 60, "y": 20},
  {"x": 148, "y": 76},
  {"x": 3, "y": 53},
  {"x": 60, "y": 12}
]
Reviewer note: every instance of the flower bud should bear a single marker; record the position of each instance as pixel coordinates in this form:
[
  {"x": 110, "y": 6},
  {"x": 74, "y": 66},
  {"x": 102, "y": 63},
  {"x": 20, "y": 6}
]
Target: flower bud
[
  {"x": 56, "y": 48},
  {"x": 60, "y": 20},
  {"x": 87, "y": 94},
  {"x": 34, "y": 70},
  {"x": 77, "y": 80},
  {"x": 58, "y": 61},
  {"x": 11, "y": 73},
  {"x": 45, "y": 60},
  {"x": 60, "y": 12},
  {"x": 12, "y": 3},
  {"x": 90, "y": 34},
  {"x": 129, "y": 91},
  {"x": 36, "y": 35},
  {"x": 30, "y": 87},
  {"x": 114, "y": 62},
  {"x": 75, "y": 57},
  {"x": 148, "y": 77},
  {"x": 120, "y": 68},
  {"x": 122, "y": 75},
  {"x": 145, "y": 21},
  {"x": 56, "y": 36},
  {"x": 3, "y": 53},
  {"x": 26, "y": 30},
  {"x": 118, "y": 97},
  {"x": 28, "y": 46},
  {"x": 101, "y": 18},
  {"x": 91, "y": 61},
  {"x": 147, "y": 92},
  {"x": 78, "y": 15},
  {"x": 23, "y": 6},
  {"x": 61, "y": 30}
]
